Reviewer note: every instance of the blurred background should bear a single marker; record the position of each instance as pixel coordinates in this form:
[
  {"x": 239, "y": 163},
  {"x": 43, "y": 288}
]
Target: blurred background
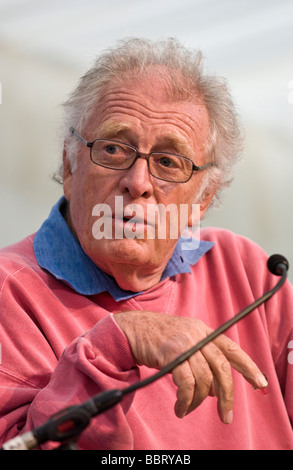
[{"x": 46, "y": 46}]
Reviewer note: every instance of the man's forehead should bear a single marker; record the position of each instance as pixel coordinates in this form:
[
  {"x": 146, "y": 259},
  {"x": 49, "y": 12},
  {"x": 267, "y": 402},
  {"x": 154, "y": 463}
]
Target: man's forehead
[
  {"x": 155, "y": 81},
  {"x": 125, "y": 108}
]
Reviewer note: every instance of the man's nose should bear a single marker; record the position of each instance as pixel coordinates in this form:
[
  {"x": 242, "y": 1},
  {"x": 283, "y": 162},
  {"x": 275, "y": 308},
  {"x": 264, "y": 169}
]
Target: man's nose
[{"x": 137, "y": 180}]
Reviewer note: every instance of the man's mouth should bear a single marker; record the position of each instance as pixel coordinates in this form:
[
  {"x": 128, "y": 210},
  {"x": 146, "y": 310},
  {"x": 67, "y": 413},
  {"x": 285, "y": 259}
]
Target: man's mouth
[{"x": 132, "y": 219}]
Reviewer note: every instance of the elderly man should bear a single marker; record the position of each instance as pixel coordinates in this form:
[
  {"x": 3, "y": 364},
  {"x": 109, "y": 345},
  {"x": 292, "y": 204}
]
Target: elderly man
[{"x": 97, "y": 300}]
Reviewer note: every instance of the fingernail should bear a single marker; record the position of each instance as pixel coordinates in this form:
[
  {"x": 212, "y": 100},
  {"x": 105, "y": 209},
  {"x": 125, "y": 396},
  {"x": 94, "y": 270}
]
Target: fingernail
[
  {"x": 180, "y": 413},
  {"x": 228, "y": 417},
  {"x": 262, "y": 381}
]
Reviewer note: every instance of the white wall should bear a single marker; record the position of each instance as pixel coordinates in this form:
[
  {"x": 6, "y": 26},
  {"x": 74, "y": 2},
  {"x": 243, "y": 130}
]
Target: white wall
[{"x": 46, "y": 46}]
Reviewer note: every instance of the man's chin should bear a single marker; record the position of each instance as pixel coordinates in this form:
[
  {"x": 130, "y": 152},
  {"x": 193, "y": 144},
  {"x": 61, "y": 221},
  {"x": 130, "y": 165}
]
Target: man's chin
[
  {"x": 136, "y": 251},
  {"x": 141, "y": 255}
]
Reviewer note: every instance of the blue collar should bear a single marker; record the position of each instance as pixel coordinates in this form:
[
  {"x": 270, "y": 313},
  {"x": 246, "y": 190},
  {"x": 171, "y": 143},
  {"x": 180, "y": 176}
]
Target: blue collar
[{"x": 59, "y": 252}]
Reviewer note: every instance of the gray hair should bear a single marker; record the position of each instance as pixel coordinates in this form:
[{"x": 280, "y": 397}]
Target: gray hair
[{"x": 185, "y": 79}]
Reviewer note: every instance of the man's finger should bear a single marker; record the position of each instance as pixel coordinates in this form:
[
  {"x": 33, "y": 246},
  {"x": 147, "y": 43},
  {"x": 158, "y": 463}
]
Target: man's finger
[
  {"x": 241, "y": 361},
  {"x": 194, "y": 380},
  {"x": 223, "y": 381}
]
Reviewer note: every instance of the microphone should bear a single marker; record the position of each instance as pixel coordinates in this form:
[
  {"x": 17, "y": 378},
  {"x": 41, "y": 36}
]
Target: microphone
[
  {"x": 276, "y": 264},
  {"x": 67, "y": 424}
]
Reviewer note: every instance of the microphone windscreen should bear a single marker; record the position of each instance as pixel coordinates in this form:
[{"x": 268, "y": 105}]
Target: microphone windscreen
[{"x": 274, "y": 263}]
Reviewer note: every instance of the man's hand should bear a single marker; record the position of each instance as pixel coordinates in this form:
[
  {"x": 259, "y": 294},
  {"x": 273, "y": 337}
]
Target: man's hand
[{"x": 157, "y": 339}]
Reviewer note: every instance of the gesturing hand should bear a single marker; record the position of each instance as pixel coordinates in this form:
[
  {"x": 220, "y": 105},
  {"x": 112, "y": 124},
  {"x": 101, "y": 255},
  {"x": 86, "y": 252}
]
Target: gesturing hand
[{"x": 157, "y": 339}]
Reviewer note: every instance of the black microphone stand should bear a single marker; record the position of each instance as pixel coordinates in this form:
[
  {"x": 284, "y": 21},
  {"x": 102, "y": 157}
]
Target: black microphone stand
[{"x": 67, "y": 425}]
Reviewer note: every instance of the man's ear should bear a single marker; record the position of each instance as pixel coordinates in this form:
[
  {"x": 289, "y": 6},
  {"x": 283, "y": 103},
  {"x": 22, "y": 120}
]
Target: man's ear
[
  {"x": 205, "y": 204},
  {"x": 196, "y": 215},
  {"x": 67, "y": 174}
]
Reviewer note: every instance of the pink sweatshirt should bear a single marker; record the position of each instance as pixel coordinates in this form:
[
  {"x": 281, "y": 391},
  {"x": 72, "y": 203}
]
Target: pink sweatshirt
[{"x": 60, "y": 348}]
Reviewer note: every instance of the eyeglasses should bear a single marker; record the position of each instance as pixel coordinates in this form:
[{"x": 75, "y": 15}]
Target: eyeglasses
[{"x": 119, "y": 156}]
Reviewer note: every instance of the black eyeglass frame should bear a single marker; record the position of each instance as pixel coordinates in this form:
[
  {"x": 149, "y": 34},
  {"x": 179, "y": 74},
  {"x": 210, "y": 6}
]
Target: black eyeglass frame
[{"x": 146, "y": 156}]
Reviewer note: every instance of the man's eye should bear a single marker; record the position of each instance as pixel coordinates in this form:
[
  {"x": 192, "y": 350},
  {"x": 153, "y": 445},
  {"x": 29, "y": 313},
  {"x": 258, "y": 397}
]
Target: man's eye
[
  {"x": 112, "y": 149},
  {"x": 168, "y": 162}
]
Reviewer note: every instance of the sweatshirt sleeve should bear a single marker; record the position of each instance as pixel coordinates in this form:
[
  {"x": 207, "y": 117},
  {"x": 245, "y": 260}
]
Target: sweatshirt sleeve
[
  {"x": 97, "y": 361},
  {"x": 39, "y": 377}
]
